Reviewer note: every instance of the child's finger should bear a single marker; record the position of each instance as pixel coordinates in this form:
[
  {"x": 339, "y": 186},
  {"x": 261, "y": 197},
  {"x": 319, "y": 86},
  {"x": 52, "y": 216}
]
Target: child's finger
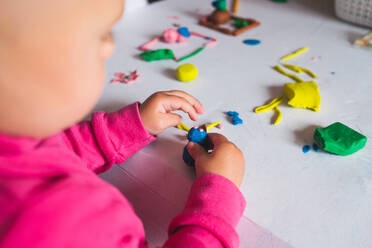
[
  {"x": 217, "y": 139},
  {"x": 172, "y": 119},
  {"x": 179, "y": 103},
  {"x": 192, "y": 100},
  {"x": 196, "y": 151}
]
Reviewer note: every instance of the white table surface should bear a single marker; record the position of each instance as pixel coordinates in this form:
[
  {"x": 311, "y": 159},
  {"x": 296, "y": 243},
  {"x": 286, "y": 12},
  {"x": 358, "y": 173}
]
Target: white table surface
[{"x": 293, "y": 199}]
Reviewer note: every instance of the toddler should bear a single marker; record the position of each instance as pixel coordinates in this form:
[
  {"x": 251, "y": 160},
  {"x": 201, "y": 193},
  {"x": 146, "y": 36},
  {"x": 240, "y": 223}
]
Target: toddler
[{"x": 52, "y": 57}]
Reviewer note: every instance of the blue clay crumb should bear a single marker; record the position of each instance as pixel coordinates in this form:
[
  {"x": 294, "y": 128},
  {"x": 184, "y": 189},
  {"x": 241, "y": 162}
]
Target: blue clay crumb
[
  {"x": 306, "y": 149},
  {"x": 315, "y": 147},
  {"x": 232, "y": 113},
  {"x": 333, "y": 73},
  {"x": 237, "y": 121},
  {"x": 252, "y": 42},
  {"x": 235, "y": 118}
]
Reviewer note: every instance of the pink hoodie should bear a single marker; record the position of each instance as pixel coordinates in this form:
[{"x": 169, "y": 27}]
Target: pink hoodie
[{"x": 50, "y": 196}]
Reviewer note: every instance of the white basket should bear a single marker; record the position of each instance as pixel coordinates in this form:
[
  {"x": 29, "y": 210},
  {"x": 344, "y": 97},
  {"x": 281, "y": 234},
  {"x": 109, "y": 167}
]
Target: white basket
[{"x": 356, "y": 11}]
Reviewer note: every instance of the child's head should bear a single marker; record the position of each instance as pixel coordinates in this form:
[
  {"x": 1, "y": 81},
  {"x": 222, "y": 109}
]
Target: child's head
[{"x": 52, "y": 57}]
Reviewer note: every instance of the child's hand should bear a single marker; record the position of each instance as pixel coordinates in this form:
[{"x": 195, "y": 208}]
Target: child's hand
[
  {"x": 225, "y": 160},
  {"x": 156, "y": 111}
]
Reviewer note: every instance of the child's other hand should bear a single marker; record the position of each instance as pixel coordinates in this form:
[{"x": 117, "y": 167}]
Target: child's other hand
[
  {"x": 156, "y": 111},
  {"x": 226, "y": 159}
]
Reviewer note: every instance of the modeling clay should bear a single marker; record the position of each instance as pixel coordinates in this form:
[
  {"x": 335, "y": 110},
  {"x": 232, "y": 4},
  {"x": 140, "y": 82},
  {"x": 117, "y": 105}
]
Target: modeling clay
[
  {"x": 174, "y": 36},
  {"x": 160, "y": 54},
  {"x": 221, "y": 16},
  {"x": 281, "y": 71},
  {"x": 273, "y": 104},
  {"x": 365, "y": 41},
  {"x": 306, "y": 149},
  {"x": 279, "y": 117},
  {"x": 232, "y": 113},
  {"x": 171, "y": 35},
  {"x": 315, "y": 147},
  {"x": 183, "y": 127},
  {"x": 124, "y": 78},
  {"x": 173, "y": 17},
  {"x": 300, "y": 94},
  {"x": 187, "y": 72},
  {"x": 191, "y": 54},
  {"x": 339, "y": 139},
  {"x": 315, "y": 58},
  {"x": 197, "y": 135},
  {"x": 219, "y": 4},
  {"x": 184, "y": 31},
  {"x": 216, "y": 124},
  {"x": 300, "y": 70},
  {"x": 295, "y": 54},
  {"x": 235, "y": 118},
  {"x": 239, "y": 23},
  {"x": 293, "y": 68},
  {"x": 310, "y": 73},
  {"x": 303, "y": 95},
  {"x": 252, "y": 42}
]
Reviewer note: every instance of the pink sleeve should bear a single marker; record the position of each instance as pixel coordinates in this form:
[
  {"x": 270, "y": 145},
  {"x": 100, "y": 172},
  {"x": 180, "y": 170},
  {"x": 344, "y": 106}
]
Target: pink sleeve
[
  {"x": 79, "y": 210},
  {"x": 109, "y": 138},
  {"x": 214, "y": 207}
]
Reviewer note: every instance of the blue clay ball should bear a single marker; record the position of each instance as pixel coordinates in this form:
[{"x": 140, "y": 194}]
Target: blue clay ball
[
  {"x": 196, "y": 136},
  {"x": 306, "y": 149}
]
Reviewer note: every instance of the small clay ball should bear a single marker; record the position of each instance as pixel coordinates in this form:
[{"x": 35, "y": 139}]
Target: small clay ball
[{"x": 220, "y": 17}]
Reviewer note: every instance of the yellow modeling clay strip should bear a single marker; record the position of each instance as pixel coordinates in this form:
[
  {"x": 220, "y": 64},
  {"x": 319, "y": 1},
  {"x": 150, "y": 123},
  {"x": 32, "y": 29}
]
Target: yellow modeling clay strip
[
  {"x": 295, "y": 54},
  {"x": 273, "y": 104},
  {"x": 300, "y": 70},
  {"x": 281, "y": 71},
  {"x": 212, "y": 125},
  {"x": 310, "y": 73},
  {"x": 183, "y": 127},
  {"x": 279, "y": 118},
  {"x": 293, "y": 68}
]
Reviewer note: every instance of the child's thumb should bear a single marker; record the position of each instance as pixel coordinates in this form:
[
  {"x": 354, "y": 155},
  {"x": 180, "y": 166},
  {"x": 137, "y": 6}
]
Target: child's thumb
[{"x": 196, "y": 151}]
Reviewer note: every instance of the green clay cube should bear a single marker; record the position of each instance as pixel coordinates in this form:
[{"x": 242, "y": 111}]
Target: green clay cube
[{"x": 339, "y": 139}]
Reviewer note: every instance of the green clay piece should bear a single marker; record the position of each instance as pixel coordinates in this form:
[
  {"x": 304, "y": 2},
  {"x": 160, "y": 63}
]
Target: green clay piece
[
  {"x": 191, "y": 54},
  {"x": 160, "y": 54},
  {"x": 239, "y": 23},
  {"x": 339, "y": 139},
  {"x": 220, "y": 5}
]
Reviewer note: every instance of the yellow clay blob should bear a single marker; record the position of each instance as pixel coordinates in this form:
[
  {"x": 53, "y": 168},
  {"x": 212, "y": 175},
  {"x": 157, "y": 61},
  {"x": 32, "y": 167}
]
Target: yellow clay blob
[
  {"x": 303, "y": 95},
  {"x": 187, "y": 72}
]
